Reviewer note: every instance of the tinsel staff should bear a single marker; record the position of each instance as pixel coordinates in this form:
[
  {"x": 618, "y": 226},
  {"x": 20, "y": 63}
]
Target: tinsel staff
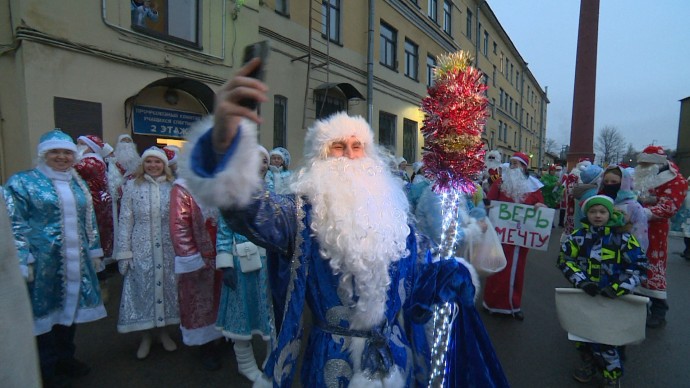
[{"x": 453, "y": 156}]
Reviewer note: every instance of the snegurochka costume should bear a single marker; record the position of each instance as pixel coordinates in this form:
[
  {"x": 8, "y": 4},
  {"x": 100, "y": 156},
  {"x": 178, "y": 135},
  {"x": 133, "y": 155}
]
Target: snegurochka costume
[
  {"x": 277, "y": 177},
  {"x": 192, "y": 231},
  {"x": 281, "y": 223},
  {"x": 149, "y": 290},
  {"x": 56, "y": 234}
]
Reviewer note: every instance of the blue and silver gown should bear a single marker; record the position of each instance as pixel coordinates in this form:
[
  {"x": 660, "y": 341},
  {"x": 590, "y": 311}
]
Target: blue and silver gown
[{"x": 57, "y": 236}]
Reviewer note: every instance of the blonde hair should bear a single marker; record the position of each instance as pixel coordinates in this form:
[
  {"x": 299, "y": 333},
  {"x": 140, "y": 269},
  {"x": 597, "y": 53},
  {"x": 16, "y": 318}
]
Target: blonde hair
[{"x": 139, "y": 173}]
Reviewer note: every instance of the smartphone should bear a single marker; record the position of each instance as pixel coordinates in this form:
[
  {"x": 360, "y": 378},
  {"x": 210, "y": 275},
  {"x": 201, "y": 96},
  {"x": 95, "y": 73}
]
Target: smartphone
[{"x": 257, "y": 50}]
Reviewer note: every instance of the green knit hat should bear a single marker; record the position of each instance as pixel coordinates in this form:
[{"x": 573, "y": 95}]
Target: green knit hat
[
  {"x": 597, "y": 200},
  {"x": 616, "y": 218}
]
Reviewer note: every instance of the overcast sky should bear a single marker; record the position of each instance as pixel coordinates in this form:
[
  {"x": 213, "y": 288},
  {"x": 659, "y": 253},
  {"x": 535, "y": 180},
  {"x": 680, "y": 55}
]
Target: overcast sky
[{"x": 643, "y": 63}]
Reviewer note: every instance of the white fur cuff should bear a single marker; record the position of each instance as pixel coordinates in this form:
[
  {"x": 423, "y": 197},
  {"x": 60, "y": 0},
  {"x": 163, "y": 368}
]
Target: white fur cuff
[
  {"x": 234, "y": 186},
  {"x": 473, "y": 272},
  {"x": 263, "y": 382},
  {"x": 124, "y": 255},
  {"x": 94, "y": 253},
  {"x": 224, "y": 260},
  {"x": 187, "y": 264}
]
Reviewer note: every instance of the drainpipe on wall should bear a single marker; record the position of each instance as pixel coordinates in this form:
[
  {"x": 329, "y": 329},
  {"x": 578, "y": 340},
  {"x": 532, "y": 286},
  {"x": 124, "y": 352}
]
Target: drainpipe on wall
[
  {"x": 521, "y": 82},
  {"x": 542, "y": 129},
  {"x": 476, "y": 39},
  {"x": 370, "y": 65}
]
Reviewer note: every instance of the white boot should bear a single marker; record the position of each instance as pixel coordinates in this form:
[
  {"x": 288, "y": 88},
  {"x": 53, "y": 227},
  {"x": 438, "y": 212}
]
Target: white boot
[
  {"x": 246, "y": 363},
  {"x": 144, "y": 346},
  {"x": 168, "y": 343}
]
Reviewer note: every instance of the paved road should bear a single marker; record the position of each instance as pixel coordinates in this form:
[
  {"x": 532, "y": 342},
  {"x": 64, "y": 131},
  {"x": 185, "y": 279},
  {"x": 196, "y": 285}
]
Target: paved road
[{"x": 534, "y": 353}]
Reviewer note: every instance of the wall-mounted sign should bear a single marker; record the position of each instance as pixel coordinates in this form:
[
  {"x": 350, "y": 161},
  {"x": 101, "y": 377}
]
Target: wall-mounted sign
[{"x": 162, "y": 122}]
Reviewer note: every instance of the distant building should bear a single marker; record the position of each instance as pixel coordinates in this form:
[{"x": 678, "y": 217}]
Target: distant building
[
  {"x": 683, "y": 148},
  {"x": 104, "y": 68}
]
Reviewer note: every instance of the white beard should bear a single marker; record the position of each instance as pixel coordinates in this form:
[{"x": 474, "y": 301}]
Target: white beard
[
  {"x": 646, "y": 178},
  {"x": 359, "y": 216},
  {"x": 126, "y": 154},
  {"x": 515, "y": 184},
  {"x": 492, "y": 164},
  {"x": 81, "y": 151}
]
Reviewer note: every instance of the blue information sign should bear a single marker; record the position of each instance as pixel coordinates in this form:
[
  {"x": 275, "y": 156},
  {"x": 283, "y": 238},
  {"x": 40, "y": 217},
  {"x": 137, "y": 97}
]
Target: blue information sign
[{"x": 162, "y": 122}]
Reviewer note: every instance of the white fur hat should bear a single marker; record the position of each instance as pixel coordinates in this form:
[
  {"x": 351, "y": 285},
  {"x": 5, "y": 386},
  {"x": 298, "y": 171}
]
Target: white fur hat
[
  {"x": 107, "y": 150},
  {"x": 493, "y": 155},
  {"x": 156, "y": 152},
  {"x": 55, "y": 139},
  {"x": 339, "y": 126},
  {"x": 123, "y": 136},
  {"x": 264, "y": 151}
]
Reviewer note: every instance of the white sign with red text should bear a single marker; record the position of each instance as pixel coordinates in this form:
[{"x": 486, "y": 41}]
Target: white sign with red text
[{"x": 522, "y": 225}]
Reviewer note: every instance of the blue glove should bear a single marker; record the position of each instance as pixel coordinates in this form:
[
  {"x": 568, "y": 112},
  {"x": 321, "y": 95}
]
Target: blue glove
[{"x": 230, "y": 277}]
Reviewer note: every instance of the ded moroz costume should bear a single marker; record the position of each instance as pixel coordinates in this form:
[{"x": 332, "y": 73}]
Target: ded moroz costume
[
  {"x": 93, "y": 169},
  {"x": 662, "y": 191},
  {"x": 503, "y": 290},
  {"x": 352, "y": 257}
]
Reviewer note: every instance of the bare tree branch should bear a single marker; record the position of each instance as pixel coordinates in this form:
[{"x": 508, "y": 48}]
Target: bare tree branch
[
  {"x": 552, "y": 146},
  {"x": 610, "y": 145}
]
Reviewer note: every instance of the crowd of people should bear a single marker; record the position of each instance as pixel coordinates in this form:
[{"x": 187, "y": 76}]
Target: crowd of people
[{"x": 223, "y": 240}]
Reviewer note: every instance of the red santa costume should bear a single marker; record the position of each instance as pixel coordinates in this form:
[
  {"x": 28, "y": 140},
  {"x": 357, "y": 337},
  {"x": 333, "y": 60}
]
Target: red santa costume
[
  {"x": 662, "y": 192},
  {"x": 172, "y": 152},
  {"x": 492, "y": 169},
  {"x": 193, "y": 230},
  {"x": 569, "y": 181},
  {"x": 92, "y": 168},
  {"x": 503, "y": 290}
]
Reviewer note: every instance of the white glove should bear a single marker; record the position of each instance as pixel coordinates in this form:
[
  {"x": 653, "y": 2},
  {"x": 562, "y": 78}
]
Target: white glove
[{"x": 124, "y": 265}]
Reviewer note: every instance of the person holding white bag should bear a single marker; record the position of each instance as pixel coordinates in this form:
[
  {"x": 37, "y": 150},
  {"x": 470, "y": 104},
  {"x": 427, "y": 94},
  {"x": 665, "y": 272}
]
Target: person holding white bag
[{"x": 245, "y": 304}]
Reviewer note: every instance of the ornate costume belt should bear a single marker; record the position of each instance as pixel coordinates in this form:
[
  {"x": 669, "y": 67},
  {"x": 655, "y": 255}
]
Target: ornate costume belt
[{"x": 377, "y": 357}]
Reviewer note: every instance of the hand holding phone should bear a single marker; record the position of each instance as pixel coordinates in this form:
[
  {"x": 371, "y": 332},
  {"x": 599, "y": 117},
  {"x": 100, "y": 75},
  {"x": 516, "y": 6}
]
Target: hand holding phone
[{"x": 257, "y": 50}]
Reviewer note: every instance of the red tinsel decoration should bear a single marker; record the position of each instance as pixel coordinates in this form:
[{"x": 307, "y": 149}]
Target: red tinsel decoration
[{"x": 455, "y": 115}]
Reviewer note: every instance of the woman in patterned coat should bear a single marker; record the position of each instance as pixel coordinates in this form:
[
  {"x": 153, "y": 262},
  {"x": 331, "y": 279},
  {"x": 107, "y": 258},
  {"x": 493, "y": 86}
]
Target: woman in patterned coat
[
  {"x": 193, "y": 232},
  {"x": 145, "y": 255},
  {"x": 56, "y": 236},
  {"x": 245, "y": 304}
]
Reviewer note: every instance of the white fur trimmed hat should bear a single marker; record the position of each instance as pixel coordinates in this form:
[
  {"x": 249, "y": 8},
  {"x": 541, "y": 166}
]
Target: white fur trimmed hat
[
  {"x": 264, "y": 151},
  {"x": 171, "y": 152},
  {"x": 124, "y": 136},
  {"x": 94, "y": 142},
  {"x": 336, "y": 127},
  {"x": 283, "y": 153},
  {"x": 493, "y": 155},
  {"x": 521, "y": 157},
  {"x": 107, "y": 150},
  {"x": 55, "y": 139},
  {"x": 155, "y": 152},
  {"x": 652, "y": 154}
]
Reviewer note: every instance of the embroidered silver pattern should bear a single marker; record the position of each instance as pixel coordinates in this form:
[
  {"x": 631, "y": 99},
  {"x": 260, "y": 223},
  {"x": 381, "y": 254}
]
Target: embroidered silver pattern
[
  {"x": 292, "y": 348},
  {"x": 333, "y": 317},
  {"x": 334, "y": 370}
]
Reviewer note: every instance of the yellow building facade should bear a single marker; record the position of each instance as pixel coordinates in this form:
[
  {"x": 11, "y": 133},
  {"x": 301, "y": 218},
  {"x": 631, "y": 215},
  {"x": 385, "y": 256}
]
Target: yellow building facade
[{"x": 114, "y": 67}]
